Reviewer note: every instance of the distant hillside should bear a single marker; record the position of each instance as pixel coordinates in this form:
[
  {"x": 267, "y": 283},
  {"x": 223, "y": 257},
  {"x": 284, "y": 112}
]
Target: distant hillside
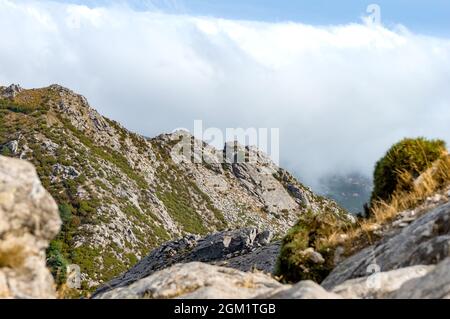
[
  {"x": 351, "y": 191},
  {"x": 120, "y": 194}
]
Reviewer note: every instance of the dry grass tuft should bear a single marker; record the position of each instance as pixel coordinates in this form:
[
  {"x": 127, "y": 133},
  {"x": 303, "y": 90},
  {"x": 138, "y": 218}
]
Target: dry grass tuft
[
  {"x": 430, "y": 182},
  {"x": 12, "y": 256}
]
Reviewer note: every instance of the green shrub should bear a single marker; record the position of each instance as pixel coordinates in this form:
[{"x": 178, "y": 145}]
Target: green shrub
[
  {"x": 16, "y": 107},
  {"x": 5, "y": 151},
  {"x": 57, "y": 262},
  {"x": 412, "y": 156},
  {"x": 65, "y": 212},
  {"x": 311, "y": 231}
]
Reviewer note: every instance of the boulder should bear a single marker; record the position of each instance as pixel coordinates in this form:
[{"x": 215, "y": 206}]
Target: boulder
[{"x": 29, "y": 219}]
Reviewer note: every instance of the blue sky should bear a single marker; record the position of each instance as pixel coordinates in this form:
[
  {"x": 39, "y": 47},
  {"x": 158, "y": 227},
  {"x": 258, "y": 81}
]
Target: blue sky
[{"x": 427, "y": 17}]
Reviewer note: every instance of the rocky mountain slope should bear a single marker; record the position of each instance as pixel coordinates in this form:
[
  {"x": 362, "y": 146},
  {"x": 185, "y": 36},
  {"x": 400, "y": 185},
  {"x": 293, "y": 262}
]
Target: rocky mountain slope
[{"x": 121, "y": 195}]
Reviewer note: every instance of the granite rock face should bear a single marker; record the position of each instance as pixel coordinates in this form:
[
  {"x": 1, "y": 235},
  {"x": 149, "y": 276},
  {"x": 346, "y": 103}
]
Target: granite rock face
[{"x": 29, "y": 219}]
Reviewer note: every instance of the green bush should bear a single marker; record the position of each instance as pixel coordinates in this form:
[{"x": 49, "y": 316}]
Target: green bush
[
  {"x": 311, "y": 231},
  {"x": 65, "y": 212},
  {"x": 15, "y": 107},
  {"x": 57, "y": 262},
  {"x": 413, "y": 156}
]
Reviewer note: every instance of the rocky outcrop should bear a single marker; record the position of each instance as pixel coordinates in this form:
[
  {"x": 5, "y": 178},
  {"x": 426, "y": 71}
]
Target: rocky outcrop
[
  {"x": 29, "y": 219},
  {"x": 235, "y": 248},
  {"x": 425, "y": 241},
  {"x": 10, "y": 91}
]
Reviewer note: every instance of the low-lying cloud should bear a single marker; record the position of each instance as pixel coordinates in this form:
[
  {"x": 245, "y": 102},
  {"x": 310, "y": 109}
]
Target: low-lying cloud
[{"x": 339, "y": 94}]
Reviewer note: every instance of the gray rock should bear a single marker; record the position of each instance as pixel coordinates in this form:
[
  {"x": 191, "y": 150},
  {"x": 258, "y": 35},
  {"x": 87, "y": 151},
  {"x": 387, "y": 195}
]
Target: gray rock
[
  {"x": 425, "y": 241},
  {"x": 434, "y": 285},
  {"x": 313, "y": 256},
  {"x": 212, "y": 248},
  {"x": 50, "y": 146},
  {"x": 298, "y": 195},
  {"x": 29, "y": 219},
  {"x": 196, "y": 281},
  {"x": 263, "y": 259},
  {"x": 65, "y": 172},
  {"x": 12, "y": 146},
  {"x": 380, "y": 285},
  {"x": 11, "y": 91}
]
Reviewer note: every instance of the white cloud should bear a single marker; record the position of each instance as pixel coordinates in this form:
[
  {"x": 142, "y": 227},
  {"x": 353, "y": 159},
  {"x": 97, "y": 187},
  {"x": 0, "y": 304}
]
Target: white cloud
[{"x": 339, "y": 94}]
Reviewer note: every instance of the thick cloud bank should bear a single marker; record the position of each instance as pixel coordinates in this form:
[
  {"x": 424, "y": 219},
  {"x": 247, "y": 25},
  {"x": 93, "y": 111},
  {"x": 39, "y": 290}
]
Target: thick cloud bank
[{"x": 339, "y": 94}]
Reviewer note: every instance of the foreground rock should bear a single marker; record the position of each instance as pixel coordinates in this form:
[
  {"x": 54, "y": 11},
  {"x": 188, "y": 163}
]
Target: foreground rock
[
  {"x": 203, "y": 281},
  {"x": 243, "y": 248},
  {"x": 434, "y": 285},
  {"x": 426, "y": 241},
  {"x": 380, "y": 285},
  {"x": 29, "y": 219}
]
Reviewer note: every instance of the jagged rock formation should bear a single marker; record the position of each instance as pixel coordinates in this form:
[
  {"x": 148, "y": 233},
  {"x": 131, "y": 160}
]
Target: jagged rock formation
[
  {"x": 121, "y": 195},
  {"x": 28, "y": 221},
  {"x": 215, "y": 248}
]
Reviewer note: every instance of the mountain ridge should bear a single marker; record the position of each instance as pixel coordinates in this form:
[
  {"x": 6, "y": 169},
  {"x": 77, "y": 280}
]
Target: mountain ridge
[{"x": 121, "y": 194}]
